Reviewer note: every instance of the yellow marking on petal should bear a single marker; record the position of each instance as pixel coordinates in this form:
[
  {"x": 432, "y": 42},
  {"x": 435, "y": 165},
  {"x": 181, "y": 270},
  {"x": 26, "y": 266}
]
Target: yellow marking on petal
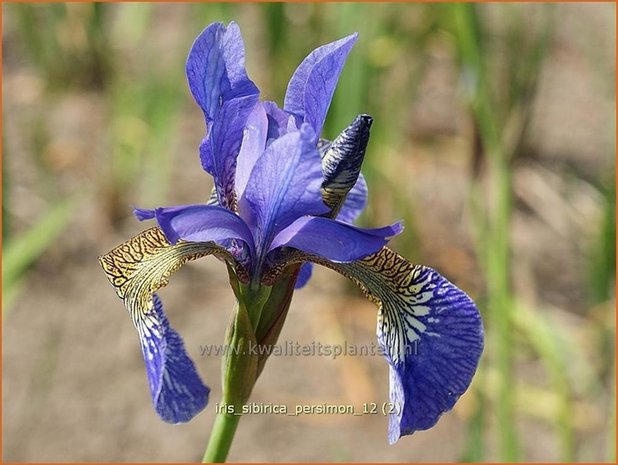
[
  {"x": 396, "y": 286},
  {"x": 144, "y": 264}
]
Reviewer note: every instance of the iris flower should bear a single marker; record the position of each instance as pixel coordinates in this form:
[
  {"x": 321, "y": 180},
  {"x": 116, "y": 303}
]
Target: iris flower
[{"x": 283, "y": 200}]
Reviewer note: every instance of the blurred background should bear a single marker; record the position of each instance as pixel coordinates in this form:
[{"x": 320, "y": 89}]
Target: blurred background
[{"x": 494, "y": 139}]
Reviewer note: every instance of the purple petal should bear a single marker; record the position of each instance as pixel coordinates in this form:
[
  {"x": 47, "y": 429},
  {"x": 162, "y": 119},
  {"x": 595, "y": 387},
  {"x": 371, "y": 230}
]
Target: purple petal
[
  {"x": 354, "y": 203},
  {"x": 219, "y": 83},
  {"x": 178, "y": 393},
  {"x": 284, "y": 185},
  {"x": 142, "y": 214},
  {"x": 311, "y": 88},
  {"x": 219, "y": 151},
  {"x": 304, "y": 275},
  {"x": 253, "y": 145},
  {"x": 216, "y": 68},
  {"x": 201, "y": 223},
  {"x": 433, "y": 346},
  {"x": 335, "y": 241},
  {"x": 278, "y": 121}
]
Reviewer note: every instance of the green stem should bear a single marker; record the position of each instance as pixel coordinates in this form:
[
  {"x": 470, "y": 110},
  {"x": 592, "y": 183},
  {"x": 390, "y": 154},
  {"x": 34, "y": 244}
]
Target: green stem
[
  {"x": 239, "y": 368},
  {"x": 221, "y": 438}
]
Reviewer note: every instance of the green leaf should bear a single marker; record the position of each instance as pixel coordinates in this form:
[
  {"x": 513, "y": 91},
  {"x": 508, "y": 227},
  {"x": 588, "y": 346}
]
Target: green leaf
[{"x": 24, "y": 250}]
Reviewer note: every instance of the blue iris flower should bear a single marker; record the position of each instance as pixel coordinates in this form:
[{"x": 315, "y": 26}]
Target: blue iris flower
[{"x": 283, "y": 200}]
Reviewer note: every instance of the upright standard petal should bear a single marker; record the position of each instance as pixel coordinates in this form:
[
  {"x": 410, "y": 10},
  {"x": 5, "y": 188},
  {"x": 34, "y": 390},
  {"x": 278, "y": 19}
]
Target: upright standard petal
[
  {"x": 199, "y": 223},
  {"x": 284, "y": 185},
  {"x": 219, "y": 150},
  {"x": 219, "y": 83},
  {"x": 430, "y": 331},
  {"x": 216, "y": 68},
  {"x": 137, "y": 269},
  {"x": 278, "y": 121},
  {"x": 253, "y": 145},
  {"x": 338, "y": 242},
  {"x": 312, "y": 86}
]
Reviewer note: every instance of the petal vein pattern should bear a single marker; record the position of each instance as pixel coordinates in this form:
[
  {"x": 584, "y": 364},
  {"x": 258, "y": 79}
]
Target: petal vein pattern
[
  {"x": 284, "y": 185},
  {"x": 431, "y": 333},
  {"x": 137, "y": 269}
]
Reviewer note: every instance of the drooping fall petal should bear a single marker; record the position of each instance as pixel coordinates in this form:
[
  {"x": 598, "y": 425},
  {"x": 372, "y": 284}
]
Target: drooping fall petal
[
  {"x": 137, "y": 269},
  {"x": 177, "y": 391},
  {"x": 430, "y": 331}
]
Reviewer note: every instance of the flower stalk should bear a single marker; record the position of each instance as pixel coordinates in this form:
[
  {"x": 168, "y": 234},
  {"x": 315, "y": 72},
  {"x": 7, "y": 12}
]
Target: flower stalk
[
  {"x": 241, "y": 364},
  {"x": 239, "y": 371},
  {"x": 221, "y": 438}
]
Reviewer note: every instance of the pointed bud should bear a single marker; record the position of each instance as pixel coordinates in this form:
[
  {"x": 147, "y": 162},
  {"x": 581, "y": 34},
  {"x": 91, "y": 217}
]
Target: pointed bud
[{"x": 342, "y": 162}]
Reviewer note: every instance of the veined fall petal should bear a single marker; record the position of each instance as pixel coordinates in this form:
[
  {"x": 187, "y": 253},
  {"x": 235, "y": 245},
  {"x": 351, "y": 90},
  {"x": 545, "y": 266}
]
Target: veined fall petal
[
  {"x": 430, "y": 331},
  {"x": 137, "y": 269}
]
